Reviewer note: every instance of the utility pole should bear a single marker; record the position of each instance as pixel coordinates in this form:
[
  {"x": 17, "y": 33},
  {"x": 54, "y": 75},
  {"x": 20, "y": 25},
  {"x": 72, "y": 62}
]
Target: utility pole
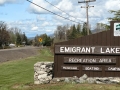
[{"x": 87, "y": 6}]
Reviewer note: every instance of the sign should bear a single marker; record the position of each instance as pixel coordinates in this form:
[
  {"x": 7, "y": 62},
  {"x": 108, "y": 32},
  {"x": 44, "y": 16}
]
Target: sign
[
  {"x": 91, "y": 68},
  {"x": 70, "y": 49},
  {"x": 89, "y": 60},
  {"x": 40, "y": 39},
  {"x": 70, "y": 68},
  {"x": 109, "y": 68},
  {"x": 117, "y": 29}
]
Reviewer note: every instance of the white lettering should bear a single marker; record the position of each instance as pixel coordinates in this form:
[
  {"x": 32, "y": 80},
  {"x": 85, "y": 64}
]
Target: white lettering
[
  {"x": 92, "y": 68},
  {"x": 74, "y": 49},
  {"x": 113, "y": 68},
  {"x": 93, "y": 48},
  {"x": 117, "y": 50},
  {"x": 83, "y": 50},
  {"x": 78, "y": 49},
  {"x": 112, "y": 50},
  {"x": 69, "y": 68},
  {"x": 67, "y": 49},
  {"x": 107, "y": 50},
  {"x": 101, "y": 50},
  {"x": 87, "y": 50},
  {"x": 61, "y": 49}
]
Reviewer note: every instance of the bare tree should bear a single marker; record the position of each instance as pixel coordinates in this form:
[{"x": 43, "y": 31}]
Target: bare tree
[{"x": 61, "y": 32}]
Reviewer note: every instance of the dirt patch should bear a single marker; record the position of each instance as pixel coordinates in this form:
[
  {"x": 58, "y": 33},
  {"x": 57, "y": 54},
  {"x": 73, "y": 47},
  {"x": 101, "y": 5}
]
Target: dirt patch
[{"x": 17, "y": 53}]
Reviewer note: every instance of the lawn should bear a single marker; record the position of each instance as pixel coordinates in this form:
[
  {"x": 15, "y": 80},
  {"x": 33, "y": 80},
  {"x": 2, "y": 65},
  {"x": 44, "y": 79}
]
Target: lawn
[
  {"x": 18, "y": 75},
  {"x": 21, "y": 71}
]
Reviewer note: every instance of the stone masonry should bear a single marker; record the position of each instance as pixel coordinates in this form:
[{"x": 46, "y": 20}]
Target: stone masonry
[{"x": 43, "y": 74}]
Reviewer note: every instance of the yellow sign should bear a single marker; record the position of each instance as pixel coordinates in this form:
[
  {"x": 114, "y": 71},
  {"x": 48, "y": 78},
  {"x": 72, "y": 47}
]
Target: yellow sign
[{"x": 40, "y": 39}]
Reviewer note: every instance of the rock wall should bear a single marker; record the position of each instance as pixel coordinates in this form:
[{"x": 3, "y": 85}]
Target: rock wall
[
  {"x": 86, "y": 79},
  {"x": 43, "y": 74}
]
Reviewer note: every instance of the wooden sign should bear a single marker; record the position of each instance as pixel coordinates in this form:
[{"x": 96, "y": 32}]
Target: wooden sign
[
  {"x": 91, "y": 68},
  {"x": 110, "y": 68},
  {"x": 96, "y": 55},
  {"x": 89, "y": 60},
  {"x": 70, "y": 68},
  {"x": 70, "y": 49}
]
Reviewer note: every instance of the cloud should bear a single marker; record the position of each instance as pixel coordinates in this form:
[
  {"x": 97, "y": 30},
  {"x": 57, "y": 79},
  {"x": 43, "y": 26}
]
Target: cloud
[
  {"x": 39, "y": 18},
  {"x": 65, "y": 5},
  {"x": 35, "y": 9},
  {"x": 45, "y": 24},
  {"x": 3, "y": 2},
  {"x": 34, "y": 28},
  {"x": 49, "y": 30},
  {"x": 112, "y": 5}
]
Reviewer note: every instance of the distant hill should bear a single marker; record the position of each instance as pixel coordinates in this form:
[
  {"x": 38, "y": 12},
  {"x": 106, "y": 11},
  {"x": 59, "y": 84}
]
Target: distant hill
[
  {"x": 97, "y": 31},
  {"x": 51, "y": 35},
  {"x": 31, "y": 38}
]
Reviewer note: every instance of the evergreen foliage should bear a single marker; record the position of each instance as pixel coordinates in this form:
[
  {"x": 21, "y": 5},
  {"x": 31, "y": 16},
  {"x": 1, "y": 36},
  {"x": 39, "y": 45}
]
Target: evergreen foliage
[
  {"x": 18, "y": 39},
  {"x": 116, "y": 15},
  {"x": 46, "y": 40}
]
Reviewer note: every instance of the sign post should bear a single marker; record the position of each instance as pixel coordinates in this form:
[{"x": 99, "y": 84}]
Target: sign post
[{"x": 40, "y": 40}]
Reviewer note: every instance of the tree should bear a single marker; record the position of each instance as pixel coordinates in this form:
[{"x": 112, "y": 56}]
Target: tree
[
  {"x": 116, "y": 15},
  {"x": 47, "y": 41},
  {"x": 36, "y": 41},
  {"x": 24, "y": 39},
  {"x": 78, "y": 31},
  {"x": 78, "y": 28},
  {"x": 12, "y": 35},
  {"x": 101, "y": 27},
  {"x": 18, "y": 39},
  {"x": 61, "y": 33},
  {"x": 74, "y": 32},
  {"x": 4, "y": 35},
  {"x": 16, "y": 35},
  {"x": 84, "y": 30}
]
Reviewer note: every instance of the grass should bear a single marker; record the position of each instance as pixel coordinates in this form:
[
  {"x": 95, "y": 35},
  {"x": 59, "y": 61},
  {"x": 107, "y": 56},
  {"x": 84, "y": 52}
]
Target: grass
[
  {"x": 18, "y": 75},
  {"x": 21, "y": 71}
]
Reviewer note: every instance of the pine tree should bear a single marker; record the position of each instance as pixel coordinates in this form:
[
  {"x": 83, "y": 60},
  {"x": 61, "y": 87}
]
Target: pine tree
[
  {"x": 84, "y": 30},
  {"x": 116, "y": 15},
  {"x": 24, "y": 39},
  {"x": 18, "y": 39}
]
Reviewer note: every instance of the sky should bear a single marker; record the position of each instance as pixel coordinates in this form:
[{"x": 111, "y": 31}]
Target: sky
[{"x": 34, "y": 20}]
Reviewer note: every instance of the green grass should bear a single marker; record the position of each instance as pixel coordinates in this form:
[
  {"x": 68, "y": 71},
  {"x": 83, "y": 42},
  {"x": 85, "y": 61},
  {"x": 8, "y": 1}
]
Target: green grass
[
  {"x": 21, "y": 71},
  {"x": 18, "y": 75}
]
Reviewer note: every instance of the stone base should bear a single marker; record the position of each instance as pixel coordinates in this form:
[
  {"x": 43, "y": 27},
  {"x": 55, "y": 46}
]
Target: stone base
[{"x": 43, "y": 74}]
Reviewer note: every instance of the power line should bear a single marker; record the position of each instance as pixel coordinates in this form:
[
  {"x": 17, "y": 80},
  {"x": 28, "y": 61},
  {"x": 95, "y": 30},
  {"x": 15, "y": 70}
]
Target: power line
[
  {"x": 53, "y": 12},
  {"x": 87, "y": 6},
  {"x": 61, "y": 10}
]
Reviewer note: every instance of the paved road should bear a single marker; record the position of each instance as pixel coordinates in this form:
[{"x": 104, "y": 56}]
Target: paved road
[
  {"x": 19, "y": 48},
  {"x": 17, "y": 53}
]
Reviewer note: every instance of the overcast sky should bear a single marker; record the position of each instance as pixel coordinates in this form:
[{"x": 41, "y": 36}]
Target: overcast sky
[{"x": 33, "y": 20}]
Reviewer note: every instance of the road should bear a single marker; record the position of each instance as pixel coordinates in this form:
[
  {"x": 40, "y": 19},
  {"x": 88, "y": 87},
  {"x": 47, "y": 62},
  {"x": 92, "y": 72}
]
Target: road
[
  {"x": 17, "y": 53},
  {"x": 19, "y": 48}
]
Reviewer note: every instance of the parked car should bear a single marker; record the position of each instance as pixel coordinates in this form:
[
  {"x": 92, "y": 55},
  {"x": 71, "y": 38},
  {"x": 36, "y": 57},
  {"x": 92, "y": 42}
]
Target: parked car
[{"x": 12, "y": 45}]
